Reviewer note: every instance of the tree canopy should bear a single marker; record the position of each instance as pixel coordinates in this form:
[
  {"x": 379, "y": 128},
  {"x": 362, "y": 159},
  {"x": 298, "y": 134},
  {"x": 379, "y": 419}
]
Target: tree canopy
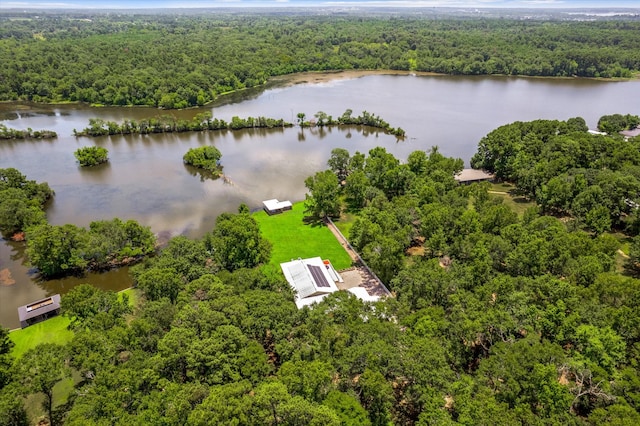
[
  {"x": 204, "y": 157},
  {"x": 91, "y": 155},
  {"x": 22, "y": 201},
  {"x": 569, "y": 171},
  {"x": 64, "y": 249},
  {"x": 180, "y": 61}
]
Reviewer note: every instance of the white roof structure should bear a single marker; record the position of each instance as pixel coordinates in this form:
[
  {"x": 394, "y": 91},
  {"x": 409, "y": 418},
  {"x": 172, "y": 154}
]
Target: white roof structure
[
  {"x": 362, "y": 294},
  {"x": 311, "y": 279},
  {"x": 274, "y": 204},
  {"x": 596, "y": 132}
]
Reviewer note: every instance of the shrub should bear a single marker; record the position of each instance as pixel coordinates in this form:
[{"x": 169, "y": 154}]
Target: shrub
[
  {"x": 91, "y": 155},
  {"x": 205, "y": 157}
]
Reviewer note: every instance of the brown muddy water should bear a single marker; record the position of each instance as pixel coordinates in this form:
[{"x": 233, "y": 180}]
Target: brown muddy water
[{"x": 147, "y": 181}]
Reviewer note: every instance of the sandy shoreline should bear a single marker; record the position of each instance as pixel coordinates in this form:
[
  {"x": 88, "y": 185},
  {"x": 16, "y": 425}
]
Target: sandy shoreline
[
  {"x": 325, "y": 76},
  {"x": 310, "y": 77}
]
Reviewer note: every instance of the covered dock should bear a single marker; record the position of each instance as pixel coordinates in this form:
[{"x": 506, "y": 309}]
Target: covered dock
[{"x": 39, "y": 310}]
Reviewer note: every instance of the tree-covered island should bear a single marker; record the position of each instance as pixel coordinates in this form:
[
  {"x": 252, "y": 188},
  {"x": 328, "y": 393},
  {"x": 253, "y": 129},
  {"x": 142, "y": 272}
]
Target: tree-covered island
[
  {"x": 91, "y": 155},
  {"x": 205, "y": 121},
  {"x": 205, "y": 157}
]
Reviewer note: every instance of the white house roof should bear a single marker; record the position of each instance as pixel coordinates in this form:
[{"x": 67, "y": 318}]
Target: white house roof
[
  {"x": 310, "y": 278},
  {"x": 274, "y": 204}
]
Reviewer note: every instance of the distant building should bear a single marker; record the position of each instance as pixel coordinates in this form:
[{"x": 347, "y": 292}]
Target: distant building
[
  {"x": 472, "y": 175},
  {"x": 39, "y": 310},
  {"x": 596, "y": 132},
  {"x": 631, "y": 133},
  {"x": 274, "y": 206}
]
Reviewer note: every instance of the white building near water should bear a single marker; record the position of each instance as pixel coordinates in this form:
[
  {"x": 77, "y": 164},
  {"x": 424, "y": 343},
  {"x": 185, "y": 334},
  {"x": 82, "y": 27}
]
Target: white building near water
[
  {"x": 274, "y": 206},
  {"x": 312, "y": 279}
]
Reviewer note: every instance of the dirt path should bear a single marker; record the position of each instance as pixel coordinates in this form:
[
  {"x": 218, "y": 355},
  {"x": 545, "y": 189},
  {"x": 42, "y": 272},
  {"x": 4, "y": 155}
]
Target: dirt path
[{"x": 345, "y": 244}]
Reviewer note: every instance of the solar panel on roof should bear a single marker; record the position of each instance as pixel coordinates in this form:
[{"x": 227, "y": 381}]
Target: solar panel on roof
[{"x": 318, "y": 276}]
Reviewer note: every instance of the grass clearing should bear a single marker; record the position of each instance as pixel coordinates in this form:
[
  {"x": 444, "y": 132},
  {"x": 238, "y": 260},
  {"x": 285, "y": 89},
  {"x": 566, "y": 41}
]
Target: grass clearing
[
  {"x": 501, "y": 187},
  {"x": 53, "y": 330},
  {"x": 292, "y": 238},
  {"x": 517, "y": 204},
  {"x": 61, "y": 393},
  {"x": 507, "y": 193},
  {"x": 345, "y": 223},
  {"x": 134, "y": 296}
]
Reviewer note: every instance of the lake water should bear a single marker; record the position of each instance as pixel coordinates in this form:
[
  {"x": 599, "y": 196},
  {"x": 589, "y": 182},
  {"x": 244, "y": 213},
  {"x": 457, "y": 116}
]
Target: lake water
[{"x": 147, "y": 181}]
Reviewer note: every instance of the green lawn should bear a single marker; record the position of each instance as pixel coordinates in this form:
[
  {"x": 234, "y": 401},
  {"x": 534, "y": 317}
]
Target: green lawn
[
  {"x": 53, "y": 330},
  {"x": 345, "y": 223},
  {"x": 292, "y": 238},
  {"x": 133, "y": 294},
  {"x": 506, "y": 192}
]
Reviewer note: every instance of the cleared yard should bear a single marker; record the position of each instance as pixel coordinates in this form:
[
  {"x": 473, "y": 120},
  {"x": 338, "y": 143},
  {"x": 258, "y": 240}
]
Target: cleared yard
[
  {"x": 506, "y": 192},
  {"x": 292, "y": 238},
  {"x": 53, "y": 330}
]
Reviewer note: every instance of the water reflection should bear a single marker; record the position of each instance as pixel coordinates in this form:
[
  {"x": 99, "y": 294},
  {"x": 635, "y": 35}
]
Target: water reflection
[{"x": 205, "y": 174}]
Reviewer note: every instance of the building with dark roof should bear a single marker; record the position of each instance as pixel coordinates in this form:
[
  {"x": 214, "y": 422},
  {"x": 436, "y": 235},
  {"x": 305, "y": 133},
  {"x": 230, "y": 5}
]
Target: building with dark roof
[{"x": 39, "y": 311}]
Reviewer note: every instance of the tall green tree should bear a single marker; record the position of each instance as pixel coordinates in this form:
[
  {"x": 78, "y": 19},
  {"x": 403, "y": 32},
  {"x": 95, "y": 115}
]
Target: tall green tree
[
  {"x": 41, "y": 368},
  {"x": 322, "y": 199},
  {"x": 339, "y": 163},
  {"x": 236, "y": 242},
  {"x": 55, "y": 249}
]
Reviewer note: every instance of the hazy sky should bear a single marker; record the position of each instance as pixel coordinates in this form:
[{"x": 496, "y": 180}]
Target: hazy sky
[{"x": 157, "y": 4}]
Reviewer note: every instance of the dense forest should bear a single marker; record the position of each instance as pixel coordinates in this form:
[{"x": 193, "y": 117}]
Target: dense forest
[
  {"x": 569, "y": 171},
  {"x": 176, "y": 61},
  {"x": 499, "y": 317}
]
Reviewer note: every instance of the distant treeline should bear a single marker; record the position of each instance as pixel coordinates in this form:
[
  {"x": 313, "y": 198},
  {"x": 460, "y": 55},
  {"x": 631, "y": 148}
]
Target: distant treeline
[
  {"x": 9, "y": 133},
  {"x": 169, "y": 61}
]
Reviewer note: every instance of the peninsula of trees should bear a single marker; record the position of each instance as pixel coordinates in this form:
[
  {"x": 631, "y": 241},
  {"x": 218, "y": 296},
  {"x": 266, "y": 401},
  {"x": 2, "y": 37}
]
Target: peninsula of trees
[
  {"x": 169, "y": 61},
  {"x": 205, "y": 121},
  {"x": 170, "y": 124},
  {"x": 9, "y": 133}
]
